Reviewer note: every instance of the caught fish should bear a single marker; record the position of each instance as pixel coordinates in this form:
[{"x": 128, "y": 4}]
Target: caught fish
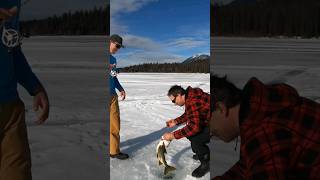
[{"x": 161, "y": 150}]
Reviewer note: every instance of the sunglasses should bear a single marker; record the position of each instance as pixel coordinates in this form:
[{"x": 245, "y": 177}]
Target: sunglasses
[
  {"x": 174, "y": 100},
  {"x": 118, "y": 45}
]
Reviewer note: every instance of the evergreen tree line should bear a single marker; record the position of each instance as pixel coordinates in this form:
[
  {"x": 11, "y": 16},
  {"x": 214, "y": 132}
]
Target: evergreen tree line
[
  {"x": 83, "y": 22},
  {"x": 195, "y": 67},
  {"x": 289, "y": 18}
]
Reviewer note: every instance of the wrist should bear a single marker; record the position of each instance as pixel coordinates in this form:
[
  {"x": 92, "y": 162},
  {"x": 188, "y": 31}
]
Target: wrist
[
  {"x": 173, "y": 136},
  {"x": 38, "y": 90}
]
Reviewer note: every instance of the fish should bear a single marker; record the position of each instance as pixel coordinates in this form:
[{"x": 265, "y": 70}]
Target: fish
[{"x": 161, "y": 150}]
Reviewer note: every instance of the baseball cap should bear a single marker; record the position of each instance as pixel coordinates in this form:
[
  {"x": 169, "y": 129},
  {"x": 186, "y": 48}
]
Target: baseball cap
[{"x": 117, "y": 39}]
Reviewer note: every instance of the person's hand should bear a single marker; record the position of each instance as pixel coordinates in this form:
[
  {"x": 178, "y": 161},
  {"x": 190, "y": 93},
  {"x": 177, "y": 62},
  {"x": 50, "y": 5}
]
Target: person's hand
[
  {"x": 123, "y": 95},
  {"x": 7, "y": 13},
  {"x": 168, "y": 136},
  {"x": 41, "y": 101},
  {"x": 171, "y": 123}
]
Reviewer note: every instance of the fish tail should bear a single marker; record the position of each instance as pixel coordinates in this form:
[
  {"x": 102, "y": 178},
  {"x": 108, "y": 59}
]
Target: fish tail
[{"x": 168, "y": 168}]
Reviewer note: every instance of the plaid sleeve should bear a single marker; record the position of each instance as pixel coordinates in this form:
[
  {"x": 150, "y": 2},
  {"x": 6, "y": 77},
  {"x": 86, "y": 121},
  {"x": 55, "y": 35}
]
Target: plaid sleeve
[
  {"x": 182, "y": 119},
  {"x": 193, "y": 125}
]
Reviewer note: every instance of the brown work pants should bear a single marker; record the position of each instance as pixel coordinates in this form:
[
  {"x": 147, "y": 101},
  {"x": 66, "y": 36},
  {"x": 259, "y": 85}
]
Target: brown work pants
[
  {"x": 114, "y": 126},
  {"x": 15, "y": 160}
]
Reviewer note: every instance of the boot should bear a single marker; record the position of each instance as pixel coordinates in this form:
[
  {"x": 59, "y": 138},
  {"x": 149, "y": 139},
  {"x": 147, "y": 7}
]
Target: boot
[
  {"x": 121, "y": 156},
  {"x": 195, "y": 157},
  {"x": 203, "y": 168}
]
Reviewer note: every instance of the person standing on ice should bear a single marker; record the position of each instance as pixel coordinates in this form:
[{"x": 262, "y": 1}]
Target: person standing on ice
[
  {"x": 196, "y": 117},
  {"x": 115, "y": 45},
  {"x": 15, "y": 163}
]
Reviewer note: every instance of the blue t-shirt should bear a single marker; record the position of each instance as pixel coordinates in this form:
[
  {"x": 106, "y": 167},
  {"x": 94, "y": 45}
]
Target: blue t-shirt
[
  {"x": 114, "y": 82},
  {"x": 14, "y": 68}
]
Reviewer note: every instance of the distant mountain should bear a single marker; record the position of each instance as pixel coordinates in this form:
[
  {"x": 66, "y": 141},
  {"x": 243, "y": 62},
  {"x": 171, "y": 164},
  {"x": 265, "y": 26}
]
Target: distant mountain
[{"x": 196, "y": 58}]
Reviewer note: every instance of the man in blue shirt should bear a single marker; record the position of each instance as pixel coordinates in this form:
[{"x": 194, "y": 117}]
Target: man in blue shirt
[
  {"x": 115, "y": 45},
  {"x": 15, "y": 162}
]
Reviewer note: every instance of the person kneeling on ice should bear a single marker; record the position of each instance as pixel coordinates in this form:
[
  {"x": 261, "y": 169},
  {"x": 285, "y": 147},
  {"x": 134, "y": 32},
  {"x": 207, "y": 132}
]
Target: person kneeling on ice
[
  {"x": 279, "y": 129},
  {"x": 196, "y": 116}
]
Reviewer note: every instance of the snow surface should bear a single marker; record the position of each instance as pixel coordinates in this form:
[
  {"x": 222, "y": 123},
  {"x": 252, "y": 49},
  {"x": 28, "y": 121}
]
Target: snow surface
[
  {"x": 143, "y": 117},
  {"x": 71, "y": 144},
  {"x": 293, "y": 61}
]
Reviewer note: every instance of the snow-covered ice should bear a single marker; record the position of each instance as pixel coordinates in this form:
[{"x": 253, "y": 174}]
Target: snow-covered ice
[
  {"x": 293, "y": 61},
  {"x": 143, "y": 117},
  {"x": 71, "y": 144}
]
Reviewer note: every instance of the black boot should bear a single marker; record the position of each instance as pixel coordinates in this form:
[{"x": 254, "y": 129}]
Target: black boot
[
  {"x": 195, "y": 157},
  {"x": 121, "y": 156},
  {"x": 203, "y": 168}
]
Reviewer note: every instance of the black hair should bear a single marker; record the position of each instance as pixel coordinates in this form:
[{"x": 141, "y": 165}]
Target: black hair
[
  {"x": 176, "y": 90},
  {"x": 222, "y": 90}
]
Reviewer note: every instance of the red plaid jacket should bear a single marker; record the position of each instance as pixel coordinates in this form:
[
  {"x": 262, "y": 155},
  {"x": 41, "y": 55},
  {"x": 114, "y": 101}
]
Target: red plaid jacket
[
  {"x": 196, "y": 115},
  {"x": 280, "y": 134}
]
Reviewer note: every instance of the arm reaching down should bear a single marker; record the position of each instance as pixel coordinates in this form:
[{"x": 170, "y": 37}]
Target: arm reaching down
[{"x": 31, "y": 83}]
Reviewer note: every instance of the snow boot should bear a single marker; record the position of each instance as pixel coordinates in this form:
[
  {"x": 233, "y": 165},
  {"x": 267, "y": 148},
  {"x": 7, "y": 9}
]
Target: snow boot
[
  {"x": 204, "y": 167},
  {"x": 195, "y": 157}
]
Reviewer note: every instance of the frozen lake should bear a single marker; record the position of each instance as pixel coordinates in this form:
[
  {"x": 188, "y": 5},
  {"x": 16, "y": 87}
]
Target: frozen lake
[
  {"x": 71, "y": 145},
  {"x": 143, "y": 117},
  {"x": 294, "y": 61}
]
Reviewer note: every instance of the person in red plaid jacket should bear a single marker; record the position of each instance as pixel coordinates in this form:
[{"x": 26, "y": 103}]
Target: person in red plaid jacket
[
  {"x": 279, "y": 129},
  {"x": 196, "y": 117}
]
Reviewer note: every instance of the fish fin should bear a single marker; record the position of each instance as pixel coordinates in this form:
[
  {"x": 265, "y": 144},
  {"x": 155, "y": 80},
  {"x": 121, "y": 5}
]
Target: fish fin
[
  {"x": 165, "y": 151},
  {"x": 168, "y": 168},
  {"x": 160, "y": 163}
]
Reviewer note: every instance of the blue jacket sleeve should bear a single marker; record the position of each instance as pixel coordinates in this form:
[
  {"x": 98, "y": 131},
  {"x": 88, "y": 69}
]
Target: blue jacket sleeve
[
  {"x": 117, "y": 84},
  {"x": 24, "y": 74}
]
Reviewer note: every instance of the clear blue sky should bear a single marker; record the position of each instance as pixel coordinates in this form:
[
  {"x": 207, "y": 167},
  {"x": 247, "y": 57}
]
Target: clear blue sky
[{"x": 161, "y": 30}]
